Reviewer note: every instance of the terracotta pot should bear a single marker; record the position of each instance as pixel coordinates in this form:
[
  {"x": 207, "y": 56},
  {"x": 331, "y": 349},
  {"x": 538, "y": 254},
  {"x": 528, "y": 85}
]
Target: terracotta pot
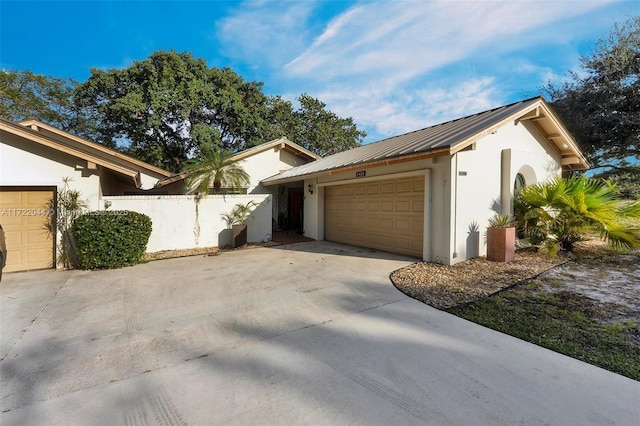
[{"x": 501, "y": 244}]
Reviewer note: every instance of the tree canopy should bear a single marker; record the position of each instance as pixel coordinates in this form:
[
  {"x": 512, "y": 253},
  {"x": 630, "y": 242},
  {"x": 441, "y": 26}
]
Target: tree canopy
[
  {"x": 600, "y": 106},
  {"x": 171, "y": 105},
  {"x": 170, "y": 108},
  {"x": 312, "y": 125},
  {"x": 24, "y": 94}
]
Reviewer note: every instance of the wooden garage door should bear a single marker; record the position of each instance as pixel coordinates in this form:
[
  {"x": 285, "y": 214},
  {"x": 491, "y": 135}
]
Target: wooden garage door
[
  {"x": 386, "y": 215},
  {"x": 24, "y": 216}
]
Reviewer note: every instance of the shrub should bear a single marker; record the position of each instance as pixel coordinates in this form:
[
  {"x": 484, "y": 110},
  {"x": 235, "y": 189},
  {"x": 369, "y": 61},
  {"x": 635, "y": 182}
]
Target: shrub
[
  {"x": 111, "y": 239},
  {"x": 557, "y": 213}
]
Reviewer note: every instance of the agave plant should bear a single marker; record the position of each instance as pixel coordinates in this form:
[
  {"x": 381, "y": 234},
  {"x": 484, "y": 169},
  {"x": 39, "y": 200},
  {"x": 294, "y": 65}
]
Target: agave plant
[
  {"x": 502, "y": 221},
  {"x": 558, "y": 213}
]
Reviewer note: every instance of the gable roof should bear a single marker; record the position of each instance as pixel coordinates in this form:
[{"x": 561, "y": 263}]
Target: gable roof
[
  {"x": 282, "y": 143},
  {"x": 446, "y": 139},
  {"x": 94, "y": 154}
]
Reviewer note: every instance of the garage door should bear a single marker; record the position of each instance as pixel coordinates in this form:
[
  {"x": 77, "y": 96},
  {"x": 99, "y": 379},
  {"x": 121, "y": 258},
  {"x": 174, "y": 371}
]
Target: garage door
[
  {"x": 386, "y": 215},
  {"x": 24, "y": 216}
]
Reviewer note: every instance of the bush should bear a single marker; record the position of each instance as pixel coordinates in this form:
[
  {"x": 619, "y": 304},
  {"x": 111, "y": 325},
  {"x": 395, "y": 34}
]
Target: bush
[{"x": 111, "y": 239}]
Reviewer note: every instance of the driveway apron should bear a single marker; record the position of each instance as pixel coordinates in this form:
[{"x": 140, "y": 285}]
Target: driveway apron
[{"x": 309, "y": 333}]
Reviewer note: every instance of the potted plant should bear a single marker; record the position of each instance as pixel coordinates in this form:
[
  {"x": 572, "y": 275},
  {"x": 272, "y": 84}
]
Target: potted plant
[
  {"x": 501, "y": 238},
  {"x": 235, "y": 220}
]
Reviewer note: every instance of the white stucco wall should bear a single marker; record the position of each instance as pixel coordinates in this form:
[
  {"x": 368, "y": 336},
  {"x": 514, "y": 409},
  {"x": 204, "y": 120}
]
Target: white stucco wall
[
  {"x": 477, "y": 176},
  {"x": 265, "y": 164},
  {"x": 177, "y": 226},
  {"x": 23, "y": 164}
]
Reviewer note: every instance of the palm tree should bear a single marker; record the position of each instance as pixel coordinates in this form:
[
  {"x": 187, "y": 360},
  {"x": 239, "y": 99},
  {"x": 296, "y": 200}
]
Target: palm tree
[
  {"x": 215, "y": 168},
  {"x": 557, "y": 213}
]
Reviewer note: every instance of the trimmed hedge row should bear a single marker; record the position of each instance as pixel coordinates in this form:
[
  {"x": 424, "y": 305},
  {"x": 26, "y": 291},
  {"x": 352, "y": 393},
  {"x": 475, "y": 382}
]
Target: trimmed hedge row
[{"x": 111, "y": 239}]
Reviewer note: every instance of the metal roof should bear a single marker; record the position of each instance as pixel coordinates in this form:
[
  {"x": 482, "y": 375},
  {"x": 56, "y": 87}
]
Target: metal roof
[{"x": 441, "y": 139}]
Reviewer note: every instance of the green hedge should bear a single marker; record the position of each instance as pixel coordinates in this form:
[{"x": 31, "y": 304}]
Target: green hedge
[{"x": 111, "y": 239}]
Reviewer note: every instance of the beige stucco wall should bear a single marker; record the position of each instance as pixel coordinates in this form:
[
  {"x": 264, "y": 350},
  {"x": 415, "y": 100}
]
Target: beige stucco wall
[{"x": 478, "y": 178}]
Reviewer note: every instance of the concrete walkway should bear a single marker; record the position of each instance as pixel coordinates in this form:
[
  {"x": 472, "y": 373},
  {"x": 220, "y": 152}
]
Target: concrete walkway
[{"x": 311, "y": 333}]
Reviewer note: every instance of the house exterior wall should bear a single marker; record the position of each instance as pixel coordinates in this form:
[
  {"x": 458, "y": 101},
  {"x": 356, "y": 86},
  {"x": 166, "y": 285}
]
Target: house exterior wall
[
  {"x": 23, "y": 163},
  {"x": 483, "y": 189},
  {"x": 265, "y": 164},
  {"x": 179, "y": 222},
  {"x": 437, "y": 186}
]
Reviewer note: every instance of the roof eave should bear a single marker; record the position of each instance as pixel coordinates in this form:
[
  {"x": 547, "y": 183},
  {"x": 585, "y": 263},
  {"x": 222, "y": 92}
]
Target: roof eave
[{"x": 375, "y": 163}]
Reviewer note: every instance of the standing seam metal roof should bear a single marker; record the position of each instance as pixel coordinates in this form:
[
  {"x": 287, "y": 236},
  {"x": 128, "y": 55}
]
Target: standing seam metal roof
[{"x": 438, "y": 137}]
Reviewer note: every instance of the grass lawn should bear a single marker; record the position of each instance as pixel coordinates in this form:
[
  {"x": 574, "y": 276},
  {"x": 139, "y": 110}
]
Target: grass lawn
[{"x": 550, "y": 313}]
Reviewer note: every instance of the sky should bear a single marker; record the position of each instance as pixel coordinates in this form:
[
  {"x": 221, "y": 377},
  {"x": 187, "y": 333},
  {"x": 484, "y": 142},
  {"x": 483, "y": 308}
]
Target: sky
[{"x": 393, "y": 67}]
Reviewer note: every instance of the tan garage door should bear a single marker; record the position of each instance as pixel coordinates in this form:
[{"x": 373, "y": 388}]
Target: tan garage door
[
  {"x": 386, "y": 215},
  {"x": 24, "y": 216}
]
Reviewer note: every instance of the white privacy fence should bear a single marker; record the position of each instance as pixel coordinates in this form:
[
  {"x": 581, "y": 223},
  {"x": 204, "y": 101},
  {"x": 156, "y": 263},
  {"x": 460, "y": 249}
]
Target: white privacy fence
[{"x": 182, "y": 222}]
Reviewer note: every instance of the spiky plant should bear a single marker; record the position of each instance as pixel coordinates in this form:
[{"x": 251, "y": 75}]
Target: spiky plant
[
  {"x": 559, "y": 212},
  {"x": 65, "y": 208}
]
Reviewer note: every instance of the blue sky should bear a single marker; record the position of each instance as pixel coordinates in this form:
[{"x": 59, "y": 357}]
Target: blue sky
[{"x": 392, "y": 66}]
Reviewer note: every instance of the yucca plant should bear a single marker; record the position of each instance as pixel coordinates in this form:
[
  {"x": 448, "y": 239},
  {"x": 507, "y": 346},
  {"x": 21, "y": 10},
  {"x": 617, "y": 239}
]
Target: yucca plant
[
  {"x": 558, "y": 213},
  {"x": 64, "y": 209}
]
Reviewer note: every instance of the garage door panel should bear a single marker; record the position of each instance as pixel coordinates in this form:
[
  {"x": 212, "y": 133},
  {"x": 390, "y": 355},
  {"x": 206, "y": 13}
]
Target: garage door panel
[
  {"x": 387, "y": 188},
  {"x": 387, "y": 215},
  {"x": 404, "y": 186},
  {"x": 386, "y": 206},
  {"x": 403, "y": 206},
  {"x": 24, "y": 220}
]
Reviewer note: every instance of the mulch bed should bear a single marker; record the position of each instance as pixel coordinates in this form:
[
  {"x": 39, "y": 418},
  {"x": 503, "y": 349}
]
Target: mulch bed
[{"x": 444, "y": 286}]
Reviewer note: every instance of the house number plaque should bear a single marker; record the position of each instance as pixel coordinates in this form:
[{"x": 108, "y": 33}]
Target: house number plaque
[{"x": 360, "y": 174}]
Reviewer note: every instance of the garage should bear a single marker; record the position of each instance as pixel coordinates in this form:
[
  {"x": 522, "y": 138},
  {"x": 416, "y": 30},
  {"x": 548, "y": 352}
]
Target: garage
[
  {"x": 24, "y": 215},
  {"x": 383, "y": 214}
]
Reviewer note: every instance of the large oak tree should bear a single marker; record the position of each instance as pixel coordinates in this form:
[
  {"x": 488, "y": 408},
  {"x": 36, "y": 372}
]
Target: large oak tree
[
  {"x": 24, "y": 94},
  {"x": 601, "y": 106},
  {"x": 169, "y": 105}
]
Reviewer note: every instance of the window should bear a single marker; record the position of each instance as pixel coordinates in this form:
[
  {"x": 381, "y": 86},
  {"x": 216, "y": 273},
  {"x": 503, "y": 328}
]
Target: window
[{"x": 519, "y": 183}]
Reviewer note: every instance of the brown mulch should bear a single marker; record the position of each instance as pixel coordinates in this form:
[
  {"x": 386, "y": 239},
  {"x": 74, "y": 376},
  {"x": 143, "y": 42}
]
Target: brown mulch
[{"x": 444, "y": 286}]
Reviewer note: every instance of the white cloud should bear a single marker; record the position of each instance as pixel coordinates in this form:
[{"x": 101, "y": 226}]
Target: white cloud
[
  {"x": 264, "y": 31},
  {"x": 413, "y": 38},
  {"x": 400, "y": 66},
  {"x": 384, "y": 112}
]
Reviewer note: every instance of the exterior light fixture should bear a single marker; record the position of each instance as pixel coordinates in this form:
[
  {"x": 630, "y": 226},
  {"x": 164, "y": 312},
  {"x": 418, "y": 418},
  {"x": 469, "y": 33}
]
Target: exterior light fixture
[{"x": 310, "y": 189}]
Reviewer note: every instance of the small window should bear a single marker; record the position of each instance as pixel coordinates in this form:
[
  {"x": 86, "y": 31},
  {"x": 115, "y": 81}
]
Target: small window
[{"x": 519, "y": 183}]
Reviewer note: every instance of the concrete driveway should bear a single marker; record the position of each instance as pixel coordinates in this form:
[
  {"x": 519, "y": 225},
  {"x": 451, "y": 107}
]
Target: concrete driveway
[{"x": 311, "y": 333}]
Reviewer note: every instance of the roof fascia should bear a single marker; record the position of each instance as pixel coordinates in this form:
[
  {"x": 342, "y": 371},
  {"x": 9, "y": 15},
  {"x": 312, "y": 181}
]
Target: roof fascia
[
  {"x": 376, "y": 163},
  {"x": 93, "y": 145},
  {"x": 26, "y": 133},
  {"x": 281, "y": 142}
]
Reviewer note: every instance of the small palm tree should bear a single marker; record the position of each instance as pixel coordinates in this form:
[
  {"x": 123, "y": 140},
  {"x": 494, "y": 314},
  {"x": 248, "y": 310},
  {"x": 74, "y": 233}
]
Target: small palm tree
[
  {"x": 557, "y": 213},
  {"x": 214, "y": 168}
]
